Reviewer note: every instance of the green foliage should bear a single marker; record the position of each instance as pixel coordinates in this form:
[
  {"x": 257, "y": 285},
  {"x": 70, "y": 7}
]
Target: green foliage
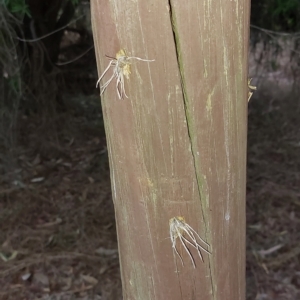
[
  {"x": 284, "y": 10},
  {"x": 285, "y": 6},
  {"x": 17, "y": 7},
  {"x": 75, "y": 2},
  {"x": 21, "y": 8},
  {"x": 279, "y": 15}
]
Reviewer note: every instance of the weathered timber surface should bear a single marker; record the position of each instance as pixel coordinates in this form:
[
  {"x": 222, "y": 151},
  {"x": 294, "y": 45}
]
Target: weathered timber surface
[{"x": 177, "y": 145}]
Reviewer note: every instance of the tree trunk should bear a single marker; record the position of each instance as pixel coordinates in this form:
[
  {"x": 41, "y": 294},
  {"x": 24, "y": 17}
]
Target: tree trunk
[{"x": 177, "y": 144}]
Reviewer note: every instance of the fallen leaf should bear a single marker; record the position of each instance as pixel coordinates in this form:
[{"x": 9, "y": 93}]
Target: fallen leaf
[
  {"x": 67, "y": 283},
  {"x": 269, "y": 251},
  {"x": 102, "y": 270},
  {"x": 37, "y": 179},
  {"x": 26, "y": 276},
  {"x": 7, "y": 257},
  {"x": 89, "y": 279},
  {"x": 41, "y": 278},
  {"x": 107, "y": 252},
  {"x": 56, "y": 222}
]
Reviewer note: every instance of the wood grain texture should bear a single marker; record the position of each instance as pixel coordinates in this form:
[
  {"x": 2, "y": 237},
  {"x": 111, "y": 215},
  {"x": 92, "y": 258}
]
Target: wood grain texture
[{"x": 177, "y": 145}]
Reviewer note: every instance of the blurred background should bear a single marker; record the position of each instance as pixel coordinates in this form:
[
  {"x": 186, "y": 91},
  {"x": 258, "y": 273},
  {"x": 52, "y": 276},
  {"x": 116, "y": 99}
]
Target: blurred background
[{"x": 57, "y": 227}]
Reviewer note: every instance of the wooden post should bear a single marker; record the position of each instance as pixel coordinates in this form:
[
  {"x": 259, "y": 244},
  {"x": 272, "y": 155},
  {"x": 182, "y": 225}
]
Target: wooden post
[{"x": 177, "y": 144}]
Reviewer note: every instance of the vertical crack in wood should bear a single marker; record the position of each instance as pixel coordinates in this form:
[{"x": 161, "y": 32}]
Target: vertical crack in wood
[
  {"x": 189, "y": 122},
  {"x": 186, "y": 105}
]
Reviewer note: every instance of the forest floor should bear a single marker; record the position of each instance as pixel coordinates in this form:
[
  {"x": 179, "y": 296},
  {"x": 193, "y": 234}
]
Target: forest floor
[
  {"x": 273, "y": 196},
  {"x": 58, "y": 236}
]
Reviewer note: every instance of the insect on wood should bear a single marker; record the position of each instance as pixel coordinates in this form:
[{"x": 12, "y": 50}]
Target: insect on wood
[
  {"x": 121, "y": 68},
  {"x": 180, "y": 230}
]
